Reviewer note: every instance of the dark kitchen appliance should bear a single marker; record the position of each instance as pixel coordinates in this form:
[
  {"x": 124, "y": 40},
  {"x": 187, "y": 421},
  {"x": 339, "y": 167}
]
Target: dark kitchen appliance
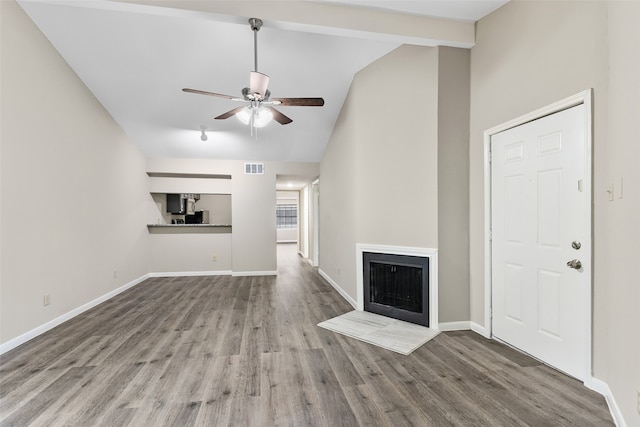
[
  {"x": 198, "y": 217},
  {"x": 175, "y": 204},
  {"x": 181, "y": 204}
]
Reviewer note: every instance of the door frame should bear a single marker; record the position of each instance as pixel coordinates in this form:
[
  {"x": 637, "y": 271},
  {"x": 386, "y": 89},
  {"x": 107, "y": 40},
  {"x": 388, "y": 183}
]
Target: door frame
[
  {"x": 315, "y": 193},
  {"x": 584, "y": 97}
]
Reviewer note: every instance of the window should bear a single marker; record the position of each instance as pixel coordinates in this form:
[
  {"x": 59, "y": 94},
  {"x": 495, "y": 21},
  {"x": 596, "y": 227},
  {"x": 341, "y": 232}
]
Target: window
[{"x": 286, "y": 216}]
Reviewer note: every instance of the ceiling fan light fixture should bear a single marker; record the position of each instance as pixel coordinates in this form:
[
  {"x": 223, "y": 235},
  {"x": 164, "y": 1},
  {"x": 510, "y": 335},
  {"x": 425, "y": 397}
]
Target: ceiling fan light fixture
[
  {"x": 258, "y": 84},
  {"x": 261, "y": 116},
  {"x": 244, "y": 115},
  {"x": 203, "y": 135}
]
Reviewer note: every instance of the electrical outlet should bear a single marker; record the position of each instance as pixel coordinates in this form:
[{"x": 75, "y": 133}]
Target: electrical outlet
[
  {"x": 214, "y": 258},
  {"x": 115, "y": 274},
  {"x": 47, "y": 300}
]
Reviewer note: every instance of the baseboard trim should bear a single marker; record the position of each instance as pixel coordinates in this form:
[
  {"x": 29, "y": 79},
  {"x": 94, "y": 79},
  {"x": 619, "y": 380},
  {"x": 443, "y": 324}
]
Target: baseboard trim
[
  {"x": 190, "y": 273},
  {"x": 479, "y": 329},
  {"x": 212, "y": 273},
  {"x": 603, "y": 388},
  {"x": 337, "y": 287},
  {"x": 454, "y": 326},
  {"x": 21, "y": 339},
  {"x": 254, "y": 273}
]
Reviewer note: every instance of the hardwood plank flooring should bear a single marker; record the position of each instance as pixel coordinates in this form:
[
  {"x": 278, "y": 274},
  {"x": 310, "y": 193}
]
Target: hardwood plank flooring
[{"x": 246, "y": 351}]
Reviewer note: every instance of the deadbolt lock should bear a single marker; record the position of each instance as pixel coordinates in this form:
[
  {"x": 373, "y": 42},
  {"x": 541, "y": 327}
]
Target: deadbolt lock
[{"x": 576, "y": 245}]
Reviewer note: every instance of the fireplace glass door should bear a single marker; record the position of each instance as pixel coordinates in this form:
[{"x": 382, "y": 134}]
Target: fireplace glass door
[{"x": 397, "y": 286}]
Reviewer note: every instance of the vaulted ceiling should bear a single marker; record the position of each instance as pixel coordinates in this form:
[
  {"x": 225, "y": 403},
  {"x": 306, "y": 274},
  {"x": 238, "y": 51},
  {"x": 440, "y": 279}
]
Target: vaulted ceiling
[{"x": 136, "y": 56}]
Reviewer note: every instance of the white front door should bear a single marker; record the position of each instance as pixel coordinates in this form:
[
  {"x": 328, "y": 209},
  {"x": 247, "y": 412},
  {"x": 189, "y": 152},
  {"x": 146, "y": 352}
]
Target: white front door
[{"x": 540, "y": 222}]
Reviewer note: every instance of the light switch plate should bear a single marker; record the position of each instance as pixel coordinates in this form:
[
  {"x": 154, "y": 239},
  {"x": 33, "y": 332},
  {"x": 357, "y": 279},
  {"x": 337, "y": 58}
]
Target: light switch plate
[{"x": 619, "y": 189}]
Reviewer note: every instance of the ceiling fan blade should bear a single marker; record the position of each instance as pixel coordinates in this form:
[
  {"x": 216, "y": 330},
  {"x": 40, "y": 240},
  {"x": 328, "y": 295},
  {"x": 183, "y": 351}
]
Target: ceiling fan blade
[
  {"x": 202, "y": 92},
  {"x": 229, "y": 113},
  {"x": 279, "y": 117},
  {"x": 300, "y": 102}
]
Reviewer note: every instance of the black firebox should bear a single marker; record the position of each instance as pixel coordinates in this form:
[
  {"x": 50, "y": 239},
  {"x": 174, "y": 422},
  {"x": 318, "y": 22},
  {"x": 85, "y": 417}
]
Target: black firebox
[{"x": 397, "y": 286}]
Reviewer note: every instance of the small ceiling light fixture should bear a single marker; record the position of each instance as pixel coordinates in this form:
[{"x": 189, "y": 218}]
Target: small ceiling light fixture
[{"x": 203, "y": 136}]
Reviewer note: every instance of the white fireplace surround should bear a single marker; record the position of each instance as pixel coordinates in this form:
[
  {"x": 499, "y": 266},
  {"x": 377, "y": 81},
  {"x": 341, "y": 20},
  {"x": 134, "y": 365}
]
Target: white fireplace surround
[{"x": 430, "y": 253}]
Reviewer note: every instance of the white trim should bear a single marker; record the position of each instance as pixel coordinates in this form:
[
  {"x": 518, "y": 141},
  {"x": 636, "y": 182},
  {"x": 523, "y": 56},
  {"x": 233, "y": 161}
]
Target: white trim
[
  {"x": 603, "y": 388},
  {"x": 190, "y": 273},
  {"x": 454, "y": 326},
  {"x": 479, "y": 329},
  {"x": 584, "y": 97},
  {"x": 315, "y": 202},
  {"x": 430, "y": 253},
  {"x": 254, "y": 273},
  {"x": 337, "y": 287},
  {"x": 21, "y": 339}
]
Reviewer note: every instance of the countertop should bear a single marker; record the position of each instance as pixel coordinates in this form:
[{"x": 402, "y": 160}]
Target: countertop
[{"x": 188, "y": 225}]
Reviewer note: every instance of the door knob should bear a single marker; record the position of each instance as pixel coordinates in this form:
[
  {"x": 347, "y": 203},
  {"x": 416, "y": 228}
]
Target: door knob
[{"x": 575, "y": 263}]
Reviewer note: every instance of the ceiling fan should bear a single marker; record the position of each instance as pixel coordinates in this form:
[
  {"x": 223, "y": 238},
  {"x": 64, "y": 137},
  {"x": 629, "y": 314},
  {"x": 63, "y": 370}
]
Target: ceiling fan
[{"x": 259, "y": 110}]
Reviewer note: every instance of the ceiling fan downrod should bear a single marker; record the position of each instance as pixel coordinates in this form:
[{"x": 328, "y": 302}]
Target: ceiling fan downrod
[{"x": 256, "y": 24}]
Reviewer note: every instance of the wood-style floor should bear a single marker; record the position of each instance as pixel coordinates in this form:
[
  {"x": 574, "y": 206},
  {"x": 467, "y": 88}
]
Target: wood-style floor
[{"x": 246, "y": 351}]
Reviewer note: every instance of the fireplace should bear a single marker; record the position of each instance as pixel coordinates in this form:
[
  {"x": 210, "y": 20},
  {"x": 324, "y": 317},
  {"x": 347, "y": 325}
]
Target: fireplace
[
  {"x": 405, "y": 282},
  {"x": 397, "y": 286}
]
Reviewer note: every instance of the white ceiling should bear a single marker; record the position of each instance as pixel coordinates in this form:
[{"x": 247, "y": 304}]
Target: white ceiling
[{"x": 136, "y": 58}]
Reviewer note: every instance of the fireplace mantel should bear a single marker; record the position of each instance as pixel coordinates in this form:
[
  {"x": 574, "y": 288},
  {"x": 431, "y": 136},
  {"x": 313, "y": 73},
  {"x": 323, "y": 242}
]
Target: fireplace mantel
[{"x": 430, "y": 253}]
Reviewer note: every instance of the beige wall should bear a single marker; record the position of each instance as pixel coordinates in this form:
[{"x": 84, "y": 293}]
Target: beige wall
[
  {"x": 180, "y": 250},
  {"x": 337, "y": 210},
  {"x": 219, "y": 207},
  {"x": 617, "y": 259},
  {"x": 530, "y": 54},
  {"x": 380, "y": 178},
  {"x": 253, "y": 206},
  {"x": 397, "y": 151},
  {"x": 453, "y": 183},
  {"x": 189, "y": 250},
  {"x": 74, "y": 189}
]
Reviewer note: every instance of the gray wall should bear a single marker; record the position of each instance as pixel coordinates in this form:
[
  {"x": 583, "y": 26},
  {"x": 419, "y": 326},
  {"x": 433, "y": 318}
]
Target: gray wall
[
  {"x": 530, "y": 54},
  {"x": 73, "y": 187},
  {"x": 380, "y": 178}
]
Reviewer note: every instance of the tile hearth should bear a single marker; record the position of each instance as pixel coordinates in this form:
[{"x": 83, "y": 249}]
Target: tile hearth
[{"x": 392, "y": 334}]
